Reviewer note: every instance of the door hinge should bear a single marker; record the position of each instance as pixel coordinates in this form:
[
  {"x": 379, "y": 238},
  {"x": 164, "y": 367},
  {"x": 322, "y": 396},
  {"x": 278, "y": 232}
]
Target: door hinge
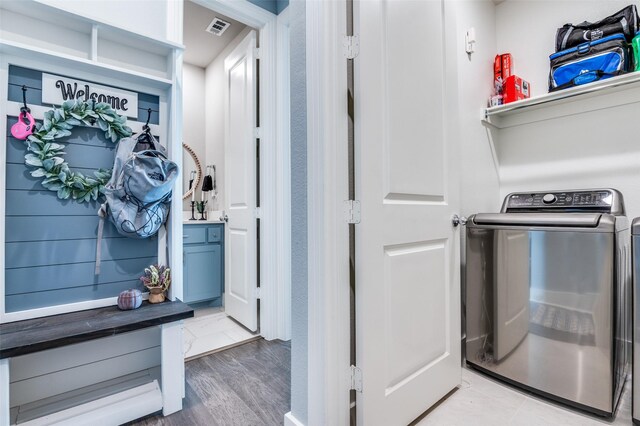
[
  {"x": 351, "y": 46},
  {"x": 356, "y": 379},
  {"x": 352, "y": 211},
  {"x": 257, "y": 132},
  {"x": 257, "y": 292},
  {"x": 256, "y": 52},
  {"x": 256, "y": 212}
]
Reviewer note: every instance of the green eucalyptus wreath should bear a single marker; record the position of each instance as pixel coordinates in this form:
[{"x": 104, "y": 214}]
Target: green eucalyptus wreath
[{"x": 46, "y": 155}]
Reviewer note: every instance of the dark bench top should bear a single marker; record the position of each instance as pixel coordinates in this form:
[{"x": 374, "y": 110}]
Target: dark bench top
[{"x": 38, "y": 334}]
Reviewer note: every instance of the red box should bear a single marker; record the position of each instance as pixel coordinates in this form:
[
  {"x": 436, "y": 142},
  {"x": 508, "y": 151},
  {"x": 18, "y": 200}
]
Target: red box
[
  {"x": 502, "y": 70},
  {"x": 516, "y": 89}
]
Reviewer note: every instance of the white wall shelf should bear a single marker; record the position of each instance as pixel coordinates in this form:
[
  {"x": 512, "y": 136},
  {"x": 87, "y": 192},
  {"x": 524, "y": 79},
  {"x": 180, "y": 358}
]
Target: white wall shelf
[
  {"x": 613, "y": 92},
  {"x": 13, "y": 48}
]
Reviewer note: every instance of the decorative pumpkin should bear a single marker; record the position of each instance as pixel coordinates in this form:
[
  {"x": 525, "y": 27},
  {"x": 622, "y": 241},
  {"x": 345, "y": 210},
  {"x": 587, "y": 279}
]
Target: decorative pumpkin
[{"x": 130, "y": 299}]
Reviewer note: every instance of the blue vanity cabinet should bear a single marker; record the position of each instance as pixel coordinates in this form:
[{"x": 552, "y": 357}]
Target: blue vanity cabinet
[{"x": 203, "y": 255}]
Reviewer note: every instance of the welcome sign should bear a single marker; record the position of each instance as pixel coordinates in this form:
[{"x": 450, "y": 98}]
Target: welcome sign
[{"x": 57, "y": 89}]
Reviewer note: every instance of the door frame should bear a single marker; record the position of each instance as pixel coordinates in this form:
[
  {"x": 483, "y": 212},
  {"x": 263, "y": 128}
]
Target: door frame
[
  {"x": 275, "y": 189},
  {"x": 329, "y": 373}
]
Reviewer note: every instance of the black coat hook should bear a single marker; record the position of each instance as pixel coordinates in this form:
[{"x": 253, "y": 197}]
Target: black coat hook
[
  {"x": 92, "y": 120},
  {"x": 146, "y": 125},
  {"x": 25, "y": 109}
]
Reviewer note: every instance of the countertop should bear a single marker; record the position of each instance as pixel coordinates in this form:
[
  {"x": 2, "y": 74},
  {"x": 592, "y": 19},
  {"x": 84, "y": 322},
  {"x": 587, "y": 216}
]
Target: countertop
[{"x": 214, "y": 218}]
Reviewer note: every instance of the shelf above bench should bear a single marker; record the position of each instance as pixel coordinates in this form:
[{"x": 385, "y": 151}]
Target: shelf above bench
[
  {"x": 613, "y": 92},
  {"x": 24, "y": 337}
]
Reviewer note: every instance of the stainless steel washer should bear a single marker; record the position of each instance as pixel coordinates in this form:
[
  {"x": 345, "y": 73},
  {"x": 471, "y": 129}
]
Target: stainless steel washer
[
  {"x": 548, "y": 303},
  {"x": 635, "y": 230}
]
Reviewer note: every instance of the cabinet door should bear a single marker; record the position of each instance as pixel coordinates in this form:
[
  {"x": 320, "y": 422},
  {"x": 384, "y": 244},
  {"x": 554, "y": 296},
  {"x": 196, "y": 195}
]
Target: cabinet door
[{"x": 202, "y": 272}]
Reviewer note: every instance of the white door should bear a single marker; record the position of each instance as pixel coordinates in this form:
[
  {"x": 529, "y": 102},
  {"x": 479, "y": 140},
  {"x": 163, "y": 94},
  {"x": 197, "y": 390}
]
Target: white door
[
  {"x": 241, "y": 256},
  {"x": 407, "y": 251}
]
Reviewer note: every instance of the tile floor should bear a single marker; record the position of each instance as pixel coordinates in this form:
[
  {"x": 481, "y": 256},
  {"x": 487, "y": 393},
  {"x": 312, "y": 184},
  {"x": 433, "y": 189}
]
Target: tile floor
[
  {"x": 210, "y": 330},
  {"x": 482, "y": 401}
]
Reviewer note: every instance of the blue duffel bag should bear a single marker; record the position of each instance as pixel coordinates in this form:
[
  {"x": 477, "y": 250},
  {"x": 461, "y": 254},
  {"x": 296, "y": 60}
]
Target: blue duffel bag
[{"x": 588, "y": 62}]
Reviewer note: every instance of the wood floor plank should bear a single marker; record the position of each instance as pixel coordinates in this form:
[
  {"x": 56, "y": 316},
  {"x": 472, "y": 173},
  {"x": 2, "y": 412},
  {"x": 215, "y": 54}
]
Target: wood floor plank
[
  {"x": 219, "y": 397},
  {"x": 263, "y": 389},
  {"x": 248, "y": 385}
]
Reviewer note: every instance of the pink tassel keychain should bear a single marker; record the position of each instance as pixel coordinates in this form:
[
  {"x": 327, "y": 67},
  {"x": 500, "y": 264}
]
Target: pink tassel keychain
[{"x": 26, "y": 124}]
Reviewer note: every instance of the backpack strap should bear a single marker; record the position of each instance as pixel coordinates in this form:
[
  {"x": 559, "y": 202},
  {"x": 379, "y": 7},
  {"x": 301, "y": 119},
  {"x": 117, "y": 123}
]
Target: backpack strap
[{"x": 102, "y": 213}]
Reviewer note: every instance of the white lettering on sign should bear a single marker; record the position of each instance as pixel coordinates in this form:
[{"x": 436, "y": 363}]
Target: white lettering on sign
[{"x": 56, "y": 90}]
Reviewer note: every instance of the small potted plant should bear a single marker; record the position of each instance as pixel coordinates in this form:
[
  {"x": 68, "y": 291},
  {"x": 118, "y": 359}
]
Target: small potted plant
[{"x": 157, "y": 279}]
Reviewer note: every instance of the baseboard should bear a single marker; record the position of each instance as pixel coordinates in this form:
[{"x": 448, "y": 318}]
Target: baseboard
[{"x": 290, "y": 420}]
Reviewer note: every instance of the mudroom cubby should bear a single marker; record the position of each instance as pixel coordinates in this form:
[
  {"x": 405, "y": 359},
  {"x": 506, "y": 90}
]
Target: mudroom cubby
[{"x": 48, "y": 245}]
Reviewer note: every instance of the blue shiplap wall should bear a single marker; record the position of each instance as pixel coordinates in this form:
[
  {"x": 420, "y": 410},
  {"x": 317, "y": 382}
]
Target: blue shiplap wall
[{"x": 50, "y": 244}]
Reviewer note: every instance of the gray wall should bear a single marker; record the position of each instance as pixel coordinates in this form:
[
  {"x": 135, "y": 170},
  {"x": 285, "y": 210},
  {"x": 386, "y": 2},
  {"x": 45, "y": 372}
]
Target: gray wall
[{"x": 299, "y": 302}]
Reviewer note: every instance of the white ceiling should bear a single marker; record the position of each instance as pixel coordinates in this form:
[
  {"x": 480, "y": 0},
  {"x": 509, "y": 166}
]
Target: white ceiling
[{"x": 202, "y": 47}]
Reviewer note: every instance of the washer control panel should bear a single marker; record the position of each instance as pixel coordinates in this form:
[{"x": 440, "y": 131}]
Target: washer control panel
[{"x": 573, "y": 200}]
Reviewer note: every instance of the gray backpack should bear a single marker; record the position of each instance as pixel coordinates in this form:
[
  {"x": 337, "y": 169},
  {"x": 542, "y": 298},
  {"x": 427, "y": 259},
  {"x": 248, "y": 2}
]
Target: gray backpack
[{"x": 138, "y": 195}]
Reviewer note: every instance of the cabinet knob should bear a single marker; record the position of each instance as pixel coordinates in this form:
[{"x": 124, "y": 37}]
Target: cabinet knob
[{"x": 225, "y": 218}]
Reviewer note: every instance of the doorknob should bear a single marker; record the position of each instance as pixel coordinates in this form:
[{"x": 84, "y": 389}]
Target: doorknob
[
  {"x": 458, "y": 220},
  {"x": 225, "y": 218}
]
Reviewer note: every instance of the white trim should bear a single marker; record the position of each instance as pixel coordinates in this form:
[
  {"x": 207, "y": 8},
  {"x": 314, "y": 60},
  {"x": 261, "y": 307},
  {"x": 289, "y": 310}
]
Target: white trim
[
  {"x": 327, "y": 153},
  {"x": 28, "y": 57},
  {"x": 5, "y": 406},
  {"x": 40, "y": 8},
  {"x": 275, "y": 248},
  {"x": 4, "y": 94},
  {"x": 117, "y": 408},
  {"x": 37, "y": 112},
  {"x": 93, "y": 55},
  {"x": 290, "y": 420},
  {"x": 96, "y": 70},
  {"x": 268, "y": 191},
  {"x": 172, "y": 367},
  {"x": 175, "y": 122},
  {"x": 175, "y": 21},
  {"x": 283, "y": 180},
  {"x": 56, "y": 310}
]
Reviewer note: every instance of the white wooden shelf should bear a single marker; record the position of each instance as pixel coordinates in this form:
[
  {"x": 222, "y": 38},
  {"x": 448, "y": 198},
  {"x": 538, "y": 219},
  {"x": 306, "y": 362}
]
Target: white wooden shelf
[
  {"x": 613, "y": 92},
  {"x": 10, "y": 47}
]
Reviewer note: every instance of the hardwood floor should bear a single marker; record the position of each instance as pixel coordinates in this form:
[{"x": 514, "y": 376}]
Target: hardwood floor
[{"x": 245, "y": 386}]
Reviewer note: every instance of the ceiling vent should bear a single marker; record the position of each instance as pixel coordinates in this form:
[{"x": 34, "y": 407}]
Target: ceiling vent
[{"x": 217, "y": 26}]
